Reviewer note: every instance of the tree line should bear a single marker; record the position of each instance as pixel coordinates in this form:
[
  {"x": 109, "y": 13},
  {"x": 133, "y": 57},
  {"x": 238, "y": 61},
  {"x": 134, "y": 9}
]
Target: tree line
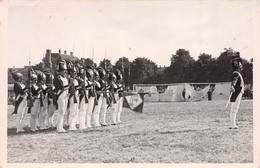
[{"x": 183, "y": 68}]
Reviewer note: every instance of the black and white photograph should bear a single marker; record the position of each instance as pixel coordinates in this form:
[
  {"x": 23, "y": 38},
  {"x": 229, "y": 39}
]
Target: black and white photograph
[{"x": 121, "y": 83}]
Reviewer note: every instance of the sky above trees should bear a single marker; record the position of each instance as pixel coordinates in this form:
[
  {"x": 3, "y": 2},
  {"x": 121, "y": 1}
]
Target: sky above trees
[{"x": 150, "y": 29}]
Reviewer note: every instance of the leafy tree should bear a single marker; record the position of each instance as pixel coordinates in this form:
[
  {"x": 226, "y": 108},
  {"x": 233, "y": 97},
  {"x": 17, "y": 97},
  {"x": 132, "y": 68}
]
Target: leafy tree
[
  {"x": 181, "y": 66},
  {"x": 142, "y": 68},
  {"x": 247, "y": 71},
  {"x": 223, "y": 69},
  {"x": 203, "y": 68}
]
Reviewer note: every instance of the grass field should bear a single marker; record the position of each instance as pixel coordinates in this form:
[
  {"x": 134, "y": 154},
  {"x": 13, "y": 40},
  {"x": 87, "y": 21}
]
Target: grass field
[{"x": 183, "y": 132}]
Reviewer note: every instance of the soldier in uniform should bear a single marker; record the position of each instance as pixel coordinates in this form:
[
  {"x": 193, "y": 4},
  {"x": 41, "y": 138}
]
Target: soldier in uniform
[
  {"x": 83, "y": 100},
  {"x": 44, "y": 99},
  {"x": 36, "y": 92},
  {"x": 61, "y": 87},
  {"x": 104, "y": 97},
  {"x": 73, "y": 97},
  {"x": 120, "y": 90},
  {"x": 50, "y": 98},
  {"x": 97, "y": 105},
  {"x": 237, "y": 88},
  {"x": 91, "y": 96},
  {"x": 113, "y": 87},
  {"x": 21, "y": 93}
]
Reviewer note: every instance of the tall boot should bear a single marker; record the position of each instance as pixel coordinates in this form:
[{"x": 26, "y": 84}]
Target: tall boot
[
  {"x": 118, "y": 117},
  {"x": 231, "y": 120},
  {"x": 234, "y": 120},
  {"x": 88, "y": 121},
  {"x": 96, "y": 120},
  {"x": 72, "y": 123},
  {"x": 114, "y": 117},
  {"x": 60, "y": 123},
  {"x": 82, "y": 124},
  {"x": 33, "y": 122},
  {"x": 103, "y": 117}
]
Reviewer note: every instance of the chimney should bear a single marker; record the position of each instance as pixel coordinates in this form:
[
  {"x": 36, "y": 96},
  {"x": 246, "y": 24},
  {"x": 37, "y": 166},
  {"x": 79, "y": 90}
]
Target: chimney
[
  {"x": 71, "y": 53},
  {"x": 48, "y": 54},
  {"x": 65, "y": 52}
]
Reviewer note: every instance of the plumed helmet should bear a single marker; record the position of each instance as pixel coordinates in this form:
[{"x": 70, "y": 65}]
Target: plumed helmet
[
  {"x": 16, "y": 75},
  {"x": 111, "y": 76},
  {"x": 236, "y": 61},
  {"x": 33, "y": 77},
  {"x": 61, "y": 65},
  {"x": 49, "y": 76},
  {"x": 89, "y": 73},
  {"x": 69, "y": 65},
  {"x": 81, "y": 71},
  {"x": 96, "y": 74},
  {"x": 41, "y": 76},
  {"x": 101, "y": 72},
  {"x": 71, "y": 68},
  {"x": 118, "y": 74}
]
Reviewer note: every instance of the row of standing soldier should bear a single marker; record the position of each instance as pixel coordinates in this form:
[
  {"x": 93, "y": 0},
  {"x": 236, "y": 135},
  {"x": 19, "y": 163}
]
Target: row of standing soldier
[{"x": 84, "y": 92}]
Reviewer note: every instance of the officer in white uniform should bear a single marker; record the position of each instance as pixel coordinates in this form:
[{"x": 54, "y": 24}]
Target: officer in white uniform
[{"x": 237, "y": 88}]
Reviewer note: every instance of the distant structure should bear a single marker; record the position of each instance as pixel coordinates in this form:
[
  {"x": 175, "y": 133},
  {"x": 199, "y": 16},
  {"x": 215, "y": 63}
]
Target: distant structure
[
  {"x": 48, "y": 54},
  {"x": 55, "y": 56}
]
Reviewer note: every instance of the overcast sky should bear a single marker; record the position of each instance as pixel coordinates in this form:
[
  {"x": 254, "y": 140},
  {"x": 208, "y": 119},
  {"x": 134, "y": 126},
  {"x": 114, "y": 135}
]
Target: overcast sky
[{"x": 154, "y": 29}]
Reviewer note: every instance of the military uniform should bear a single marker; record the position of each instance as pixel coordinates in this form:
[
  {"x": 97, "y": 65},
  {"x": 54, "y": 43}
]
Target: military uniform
[
  {"x": 36, "y": 92},
  {"x": 73, "y": 98},
  {"x": 61, "y": 87},
  {"x": 114, "y": 97},
  {"x": 237, "y": 88},
  {"x": 120, "y": 93},
  {"x": 51, "y": 107},
  {"x": 44, "y": 99},
  {"x": 97, "y": 106},
  {"x": 104, "y": 96},
  {"x": 83, "y": 100},
  {"x": 91, "y": 97},
  {"x": 21, "y": 93}
]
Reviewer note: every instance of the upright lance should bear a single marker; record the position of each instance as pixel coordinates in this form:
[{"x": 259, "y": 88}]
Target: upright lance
[{"x": 93, "y": 82}]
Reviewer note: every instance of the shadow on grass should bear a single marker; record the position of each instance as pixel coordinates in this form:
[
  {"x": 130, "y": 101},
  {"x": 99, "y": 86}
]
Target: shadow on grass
[
  {"x": 27, "y": 130},
  {"x": 183, "y": 131}
]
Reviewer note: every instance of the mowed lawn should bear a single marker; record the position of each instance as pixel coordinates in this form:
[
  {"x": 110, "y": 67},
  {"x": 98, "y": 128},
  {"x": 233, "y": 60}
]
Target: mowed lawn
[{"x": 180, "y": 132}]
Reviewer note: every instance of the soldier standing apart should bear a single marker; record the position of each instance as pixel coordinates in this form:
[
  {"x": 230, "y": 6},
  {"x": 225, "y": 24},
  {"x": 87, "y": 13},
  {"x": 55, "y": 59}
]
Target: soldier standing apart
[
  {"x": 43, "y": 98},
  {"x": 120, "y": 91},
  {"x": 21, "y": 93},
  {"x": 61, "y": 86},
  {"x": 73, "y": 97},
  {"x": 97, "y": 106},
  {"x": 91, "y": 96},
  {"x": 237, "y": 88},
  {"x": 37, "y": 102}
]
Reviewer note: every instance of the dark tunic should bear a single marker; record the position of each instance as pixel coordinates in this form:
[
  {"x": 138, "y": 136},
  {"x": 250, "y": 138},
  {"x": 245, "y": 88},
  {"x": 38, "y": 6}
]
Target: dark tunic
[{"x": 238, "y": 84}]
